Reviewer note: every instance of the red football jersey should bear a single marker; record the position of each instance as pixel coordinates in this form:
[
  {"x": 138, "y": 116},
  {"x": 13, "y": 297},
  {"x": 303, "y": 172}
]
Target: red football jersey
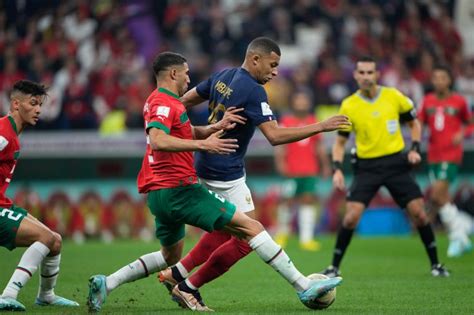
[
  {"x": 9, "y": 153},
  {"x": 444, "y": 119},
  {"x": 300, "y": 157},
  {"x": 161, "y": 169}
]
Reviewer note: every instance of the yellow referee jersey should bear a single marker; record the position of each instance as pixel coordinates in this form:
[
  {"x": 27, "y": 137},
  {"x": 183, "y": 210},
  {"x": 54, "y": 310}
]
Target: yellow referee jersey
[{"x": 375, "y": 122}]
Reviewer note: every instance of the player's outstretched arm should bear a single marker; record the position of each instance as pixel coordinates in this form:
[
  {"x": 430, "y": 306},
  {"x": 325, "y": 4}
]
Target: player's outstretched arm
[
  {"x": 191, "y": 98},
  {"x": 280, "y": 135},
  {"x": 160, "y": 141},
  {"x": 229, "y": 121}
]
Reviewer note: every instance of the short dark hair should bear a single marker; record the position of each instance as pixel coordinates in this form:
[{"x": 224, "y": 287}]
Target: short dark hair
[
  {"x": 165, "y": 60},
  {"x": 445, "y": 68},
  {"x": 264, "y": 45},
  {"x": 366, "y": 58},
  {"x": 29, "y": 88}
]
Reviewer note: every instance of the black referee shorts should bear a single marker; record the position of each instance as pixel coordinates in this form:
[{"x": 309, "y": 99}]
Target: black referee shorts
[{"x": 392, "y": 171}]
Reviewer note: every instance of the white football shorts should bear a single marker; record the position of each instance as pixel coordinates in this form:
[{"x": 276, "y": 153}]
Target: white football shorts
[{"x": 235, "y": 191}]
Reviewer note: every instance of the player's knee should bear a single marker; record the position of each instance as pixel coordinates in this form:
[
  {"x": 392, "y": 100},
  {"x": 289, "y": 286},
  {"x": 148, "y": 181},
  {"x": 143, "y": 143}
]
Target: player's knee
[
  {"x": 351, "y": 220},
  {"x": 48, "y": 238},
  {"x": 57, "y": 244}
]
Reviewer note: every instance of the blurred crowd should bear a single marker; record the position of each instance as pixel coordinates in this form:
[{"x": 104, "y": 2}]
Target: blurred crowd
[
  {"x": 96, "y": 54},
  {"x": 124, "y": 217},
  {"x": 90, "y": 216}
]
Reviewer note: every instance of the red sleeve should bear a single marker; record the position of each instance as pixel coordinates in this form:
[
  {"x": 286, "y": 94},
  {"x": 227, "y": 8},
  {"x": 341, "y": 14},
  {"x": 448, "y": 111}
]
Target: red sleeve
[
  {"x": 161, "y": 116},
  {"x": 4, "y": 147},
  {"x": 465, "y": 113}
]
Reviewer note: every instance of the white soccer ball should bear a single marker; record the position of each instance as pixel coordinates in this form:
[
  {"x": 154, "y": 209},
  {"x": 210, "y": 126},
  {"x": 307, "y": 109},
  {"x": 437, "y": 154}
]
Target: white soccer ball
[{"x": 323, "y": 301}]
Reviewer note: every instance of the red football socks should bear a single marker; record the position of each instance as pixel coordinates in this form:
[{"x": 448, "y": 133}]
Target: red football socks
[
  {"x": 201, "y": 252},
  {"x": 220, "y": 261}
]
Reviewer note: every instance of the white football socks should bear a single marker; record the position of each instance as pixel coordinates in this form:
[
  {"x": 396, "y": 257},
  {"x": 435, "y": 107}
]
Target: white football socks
[
  {"x": 49, "y": 272},
  {"x": 140, "y": 268},
  {"x": 27, "y": 266},
  {"x": 454, "y": 223},
  {"x": 275, "y": 256},
  {"x": 306, "y": 222}
]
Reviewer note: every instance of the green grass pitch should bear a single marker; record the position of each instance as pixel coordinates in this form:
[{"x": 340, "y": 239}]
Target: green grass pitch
[{"x": 381, "y": 276}]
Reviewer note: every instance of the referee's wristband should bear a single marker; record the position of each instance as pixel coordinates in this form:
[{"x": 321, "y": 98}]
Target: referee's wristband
[
  {"x": 336, "y": 165},
  {"x": 415, "y": 146}
]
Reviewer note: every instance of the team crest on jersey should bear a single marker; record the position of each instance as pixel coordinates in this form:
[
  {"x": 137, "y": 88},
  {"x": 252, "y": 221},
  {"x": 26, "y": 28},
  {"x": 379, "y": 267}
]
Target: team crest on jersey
[
  {"x": 266, "y": 110},
  {"x": 163, "y": 111},
  {"x": 3, "y": 143}
]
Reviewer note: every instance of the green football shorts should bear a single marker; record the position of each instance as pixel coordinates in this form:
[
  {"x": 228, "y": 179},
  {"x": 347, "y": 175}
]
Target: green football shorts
[
  {"x": 297, "y": 186},
  {"x": 443, "y": 171},
  {"x": 193, "y": 205},
  {"x": 10, "y": 220}
]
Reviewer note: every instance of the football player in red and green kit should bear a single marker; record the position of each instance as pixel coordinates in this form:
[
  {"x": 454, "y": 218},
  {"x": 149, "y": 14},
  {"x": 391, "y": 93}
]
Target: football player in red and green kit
[
  {"x": 176, "y": 198},
  {"x": 17, "y": 227},
  {"x": 445, "y": 113},
  {"x": 300, "y": 163}
]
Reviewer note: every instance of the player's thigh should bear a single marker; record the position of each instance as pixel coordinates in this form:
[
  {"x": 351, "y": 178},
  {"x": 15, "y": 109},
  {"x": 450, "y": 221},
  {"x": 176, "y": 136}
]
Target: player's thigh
[
  {"x": 10, "y": 221},
  {"x": 403, "y": 187},
  {"x": 364, "y": 186},
  {"x": 168, "y": 230},
  {"x": 236, "y": 192}
]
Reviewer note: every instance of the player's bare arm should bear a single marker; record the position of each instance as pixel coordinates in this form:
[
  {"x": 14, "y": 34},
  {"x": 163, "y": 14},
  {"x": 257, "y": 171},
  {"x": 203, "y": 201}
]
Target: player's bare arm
[
  {"x": 279, "y": 135},
  {"x": 323, "y": 159},
  {"x": 191, "y": 98},
  {"x": 414, "y": 156},
  {"x": 160, "y": 141},
  {"x": 229, "y": 121},
  {"x": 338, "y": 149}
]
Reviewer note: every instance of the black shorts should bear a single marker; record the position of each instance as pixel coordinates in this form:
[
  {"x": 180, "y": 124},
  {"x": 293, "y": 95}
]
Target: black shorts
[{"x": 392, "y": 171}]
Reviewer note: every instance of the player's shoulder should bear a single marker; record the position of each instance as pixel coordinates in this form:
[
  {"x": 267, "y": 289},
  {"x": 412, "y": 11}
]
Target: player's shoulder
[
  {"x": 351, "y": 99},
  {"x": 458, "y": 98},
  {"x": 429, "y": 98},
  {"x": 390, "y": 91}
]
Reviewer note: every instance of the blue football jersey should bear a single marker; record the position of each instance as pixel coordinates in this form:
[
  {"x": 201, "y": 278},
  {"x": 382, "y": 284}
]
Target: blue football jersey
[{"x": 232, "y": 88}]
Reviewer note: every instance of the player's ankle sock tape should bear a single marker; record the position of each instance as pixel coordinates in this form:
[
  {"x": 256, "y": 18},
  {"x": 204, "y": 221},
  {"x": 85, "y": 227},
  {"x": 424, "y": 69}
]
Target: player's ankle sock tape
[
  {"x": 184, "y": 287},
  {"x": 176, "y": 274}
]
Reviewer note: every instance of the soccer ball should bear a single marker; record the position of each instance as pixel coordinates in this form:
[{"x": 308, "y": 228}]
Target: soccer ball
[{"x": 323, "y": 301}]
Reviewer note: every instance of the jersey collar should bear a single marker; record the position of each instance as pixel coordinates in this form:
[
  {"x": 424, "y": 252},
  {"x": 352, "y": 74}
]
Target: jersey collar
[
  {"x": 12, "y": 121},
  {"x": 163, "y": 90},
  {"x": 371, "y": 100}
]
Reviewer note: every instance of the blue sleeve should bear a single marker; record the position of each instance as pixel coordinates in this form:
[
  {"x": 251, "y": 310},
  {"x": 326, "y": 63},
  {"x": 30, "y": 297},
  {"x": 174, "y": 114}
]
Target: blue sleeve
[
  {"x": 204, "y": 88},
  {"x": 257, "y": 107}
]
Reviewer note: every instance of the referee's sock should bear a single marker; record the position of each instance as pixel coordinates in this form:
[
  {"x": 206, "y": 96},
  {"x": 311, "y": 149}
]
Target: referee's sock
[
  {"x": 343, "y": 239},
  {"x": 428, "y": 238}
]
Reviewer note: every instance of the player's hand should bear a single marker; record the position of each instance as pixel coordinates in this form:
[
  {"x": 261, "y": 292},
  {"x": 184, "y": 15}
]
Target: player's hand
[
  {"x": 214, "y": 144},
  {"x": 231, "y": 119},
  {"x": 414, "y": 157},
  {"x": 458, "y": 137},
  {"x": 326, "y": 171},
  {"x": 335, "y": 123},
  {"x": 338, "y": 180}
]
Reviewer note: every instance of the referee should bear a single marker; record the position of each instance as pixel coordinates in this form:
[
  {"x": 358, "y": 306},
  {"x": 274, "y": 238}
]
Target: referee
[{"x": 376, "y": 112}]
